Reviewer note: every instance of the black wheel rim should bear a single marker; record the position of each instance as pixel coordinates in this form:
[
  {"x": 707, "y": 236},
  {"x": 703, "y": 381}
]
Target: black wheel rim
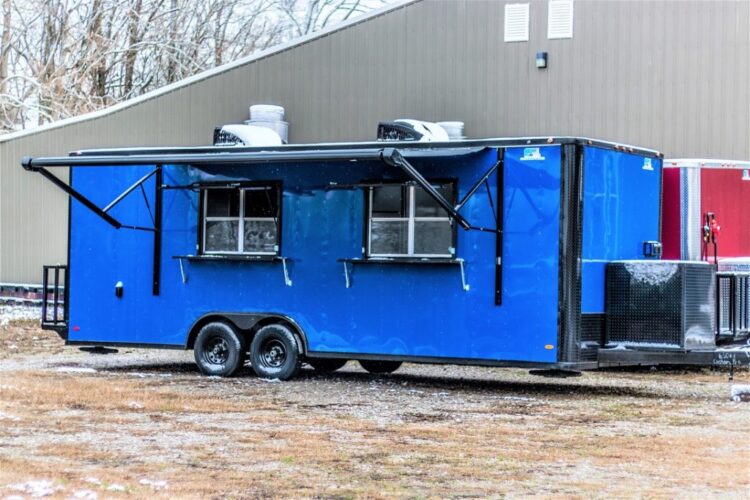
[
  {"x": 273, "y": 353},
  {"x": 216, "y": 351}
]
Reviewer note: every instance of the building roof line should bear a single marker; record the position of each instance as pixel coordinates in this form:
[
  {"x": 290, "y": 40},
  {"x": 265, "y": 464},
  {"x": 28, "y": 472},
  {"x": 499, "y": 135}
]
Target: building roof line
[{"x": 209, "y": 73}]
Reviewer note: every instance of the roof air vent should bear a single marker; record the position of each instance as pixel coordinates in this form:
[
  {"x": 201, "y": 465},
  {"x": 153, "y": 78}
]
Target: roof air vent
[
  {"x": 245, "y": 135},
  {"x": 411, "y": 130}
]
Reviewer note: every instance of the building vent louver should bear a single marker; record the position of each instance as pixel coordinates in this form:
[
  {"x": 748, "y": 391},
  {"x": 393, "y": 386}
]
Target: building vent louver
[
  {"x": 560, "y": 19},
  {"x": 517, "y": 22}
]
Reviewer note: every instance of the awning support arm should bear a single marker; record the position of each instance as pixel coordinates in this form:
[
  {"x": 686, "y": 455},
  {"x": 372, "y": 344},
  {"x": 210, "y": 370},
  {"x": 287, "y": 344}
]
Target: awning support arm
[
  {"x": 78, "y": 196},
  {"x": 392, "y": 157},
  {"x": 128, "y": 191},
  {"x": 477, "y": 185}
]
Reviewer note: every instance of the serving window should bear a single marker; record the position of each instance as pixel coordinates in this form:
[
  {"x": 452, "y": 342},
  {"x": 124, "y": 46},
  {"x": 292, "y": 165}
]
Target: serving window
[
  {"x": 241, "y": 220},
  {"x": 404, "y": 221}
]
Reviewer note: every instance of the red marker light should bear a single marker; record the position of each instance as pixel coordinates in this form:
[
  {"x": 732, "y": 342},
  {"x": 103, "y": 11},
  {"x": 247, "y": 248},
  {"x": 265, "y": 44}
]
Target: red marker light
[{"x": 76, "y": 328}]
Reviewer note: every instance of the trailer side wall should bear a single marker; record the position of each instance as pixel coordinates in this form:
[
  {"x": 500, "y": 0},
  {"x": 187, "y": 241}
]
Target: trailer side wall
[{"x": 406, "y": 310}]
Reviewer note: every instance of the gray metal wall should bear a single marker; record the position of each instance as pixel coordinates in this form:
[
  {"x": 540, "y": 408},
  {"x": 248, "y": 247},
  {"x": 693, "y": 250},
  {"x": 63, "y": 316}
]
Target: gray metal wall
[{"x": 674, "y": 76}]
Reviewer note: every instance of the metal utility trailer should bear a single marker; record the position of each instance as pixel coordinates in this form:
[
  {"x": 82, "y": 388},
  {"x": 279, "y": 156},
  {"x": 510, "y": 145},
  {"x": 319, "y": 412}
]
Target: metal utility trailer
[{"x": 490, "y": 252}]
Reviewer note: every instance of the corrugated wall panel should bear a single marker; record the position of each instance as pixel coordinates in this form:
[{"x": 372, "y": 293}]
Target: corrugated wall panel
[{"x": 669, "y": 75}]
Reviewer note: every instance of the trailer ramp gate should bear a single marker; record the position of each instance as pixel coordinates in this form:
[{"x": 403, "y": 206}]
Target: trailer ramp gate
[{"x": 54, "y": 298}]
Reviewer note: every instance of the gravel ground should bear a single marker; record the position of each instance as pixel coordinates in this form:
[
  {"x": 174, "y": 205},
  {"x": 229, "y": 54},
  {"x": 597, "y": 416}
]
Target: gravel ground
[{"x": 145, "y": 423}]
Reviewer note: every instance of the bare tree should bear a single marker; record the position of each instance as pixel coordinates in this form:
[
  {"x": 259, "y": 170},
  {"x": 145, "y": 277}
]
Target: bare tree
[{"x": 60, "y": 58}]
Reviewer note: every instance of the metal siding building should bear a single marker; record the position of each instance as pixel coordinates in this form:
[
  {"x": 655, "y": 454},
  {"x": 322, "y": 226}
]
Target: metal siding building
[{"x": 674, "y": 76}]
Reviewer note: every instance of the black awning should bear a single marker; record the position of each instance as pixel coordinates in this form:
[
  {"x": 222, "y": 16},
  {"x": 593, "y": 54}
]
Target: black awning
[{"x": 234, "y": 158}]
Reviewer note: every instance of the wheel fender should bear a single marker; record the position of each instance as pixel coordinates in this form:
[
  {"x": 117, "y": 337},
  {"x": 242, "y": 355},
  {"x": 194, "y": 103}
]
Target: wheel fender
[{"x": 247, "y": 322}]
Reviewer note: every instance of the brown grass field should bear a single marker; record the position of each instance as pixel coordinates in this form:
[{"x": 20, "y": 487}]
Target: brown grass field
[{"x": 147, "y": 424}]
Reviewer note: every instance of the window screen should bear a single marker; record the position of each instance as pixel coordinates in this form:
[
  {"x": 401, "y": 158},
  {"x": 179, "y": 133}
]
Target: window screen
[
  {"x": 241, "y": 220},
  {"x": 404, "y": 221}
]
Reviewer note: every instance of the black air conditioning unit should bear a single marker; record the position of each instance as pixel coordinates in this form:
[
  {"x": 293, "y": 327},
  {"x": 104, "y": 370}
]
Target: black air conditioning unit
[{"x": 661, "y": 305}]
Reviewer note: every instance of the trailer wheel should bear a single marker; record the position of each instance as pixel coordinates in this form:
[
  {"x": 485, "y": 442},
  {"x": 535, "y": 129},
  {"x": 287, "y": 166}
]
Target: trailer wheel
[
  {"x": 219, "y": 350},
  {"x": 380, "y": 366},
  {"x": 326, "y": 365},
  {"x": 274, "y": 353}
]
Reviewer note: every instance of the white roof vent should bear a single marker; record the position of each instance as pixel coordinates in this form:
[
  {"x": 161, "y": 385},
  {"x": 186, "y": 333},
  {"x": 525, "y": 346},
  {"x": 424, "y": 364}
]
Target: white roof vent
[
  {"x": 246, "y": 135},
  {"x": 517, "y": 22},
  {"x": 560, "y": 19},
  {"x": 411, "y": 130}
]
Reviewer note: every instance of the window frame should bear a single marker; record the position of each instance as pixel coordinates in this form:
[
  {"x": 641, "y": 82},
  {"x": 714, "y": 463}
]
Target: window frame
[
  {"x": 242, "y": 187},
  {"x": 409, "y": 189}
]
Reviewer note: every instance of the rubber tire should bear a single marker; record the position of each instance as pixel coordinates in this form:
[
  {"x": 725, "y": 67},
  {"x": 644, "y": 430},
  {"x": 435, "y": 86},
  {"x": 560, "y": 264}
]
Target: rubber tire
[
  {"x": 236, "y": 349},
  {"x": 326, "y": 365},
  {"x": 380, "y": 366},
  {"x": 292, "y": 361}
]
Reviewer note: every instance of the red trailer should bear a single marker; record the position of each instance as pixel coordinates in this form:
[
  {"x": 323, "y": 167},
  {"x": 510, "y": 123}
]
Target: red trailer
[
  {"x": 706, "y": 209},
  {"x": 706, "y": 216}
]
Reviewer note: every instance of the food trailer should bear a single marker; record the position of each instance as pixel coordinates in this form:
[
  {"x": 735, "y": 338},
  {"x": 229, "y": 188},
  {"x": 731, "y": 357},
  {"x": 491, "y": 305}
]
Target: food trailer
[{"x": 535, "y": 252}]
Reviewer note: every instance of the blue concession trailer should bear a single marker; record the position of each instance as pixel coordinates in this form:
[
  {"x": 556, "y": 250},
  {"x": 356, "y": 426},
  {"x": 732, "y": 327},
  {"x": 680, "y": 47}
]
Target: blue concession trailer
[{"x": 491, "y": 252}]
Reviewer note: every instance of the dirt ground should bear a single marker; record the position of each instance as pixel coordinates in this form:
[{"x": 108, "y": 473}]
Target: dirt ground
[{"x": 146, "y": 424}]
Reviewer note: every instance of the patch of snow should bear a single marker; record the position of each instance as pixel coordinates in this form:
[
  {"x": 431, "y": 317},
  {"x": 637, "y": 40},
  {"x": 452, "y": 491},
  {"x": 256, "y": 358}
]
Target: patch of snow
[
  {"x": 17, "y": 312},
  {"x": 14, "y": 497},
  {"x": 36, "y": 489},
  {"x": 75, "y": 369},
  {"x": 156, "y": 485},
  {"x": 8, "y": 416},
  {"x": 135, "y": 405},
  {"x": 271, "y": 380},
  {"x": 650, "y": 274},
  {"x": 115, "y": 487},
  {"x": 698, "y": 337},
  {"x": 648, "y": 345},
  {"x": 85, "y": 495},
  {"x": 516, "y": 398},
  {"x": 743, "y": 348}
]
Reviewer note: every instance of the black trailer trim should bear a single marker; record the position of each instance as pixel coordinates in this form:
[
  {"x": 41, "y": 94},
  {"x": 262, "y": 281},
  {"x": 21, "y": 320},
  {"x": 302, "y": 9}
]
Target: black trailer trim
[
  {"x": 431, "y": 360},
  {"x": 569, "y": 278},
  {"x": 405, "y": 146},
  {"x": 499, "y": 223},
  {"x": 133, "y": 345},
  {"x": 631, "y": 357},
  {"x": 156, "y": 282},
  {"x": 202, "y": 159}
]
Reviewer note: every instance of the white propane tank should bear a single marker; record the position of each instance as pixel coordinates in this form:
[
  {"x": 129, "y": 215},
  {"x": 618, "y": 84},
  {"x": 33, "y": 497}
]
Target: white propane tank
[
  {"x": 455, "y": 130},
  {"x": 266, "y": 112}
]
